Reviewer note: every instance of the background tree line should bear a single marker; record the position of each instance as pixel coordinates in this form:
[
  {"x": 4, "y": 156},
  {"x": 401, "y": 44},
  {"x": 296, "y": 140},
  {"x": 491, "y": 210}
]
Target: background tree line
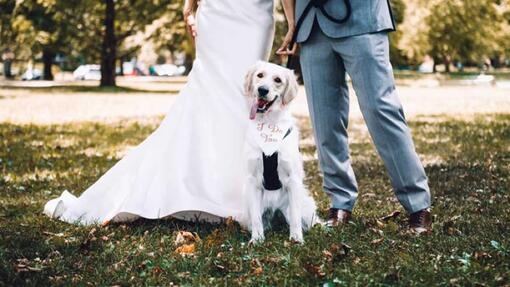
[{"x": 87, "y": 31}]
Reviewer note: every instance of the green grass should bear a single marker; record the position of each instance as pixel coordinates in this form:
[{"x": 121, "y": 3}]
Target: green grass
[{"x": 467, "y": 161}]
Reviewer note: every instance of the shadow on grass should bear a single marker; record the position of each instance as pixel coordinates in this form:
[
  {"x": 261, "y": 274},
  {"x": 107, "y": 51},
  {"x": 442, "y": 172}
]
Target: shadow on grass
[{"x": 468, "y": 246}]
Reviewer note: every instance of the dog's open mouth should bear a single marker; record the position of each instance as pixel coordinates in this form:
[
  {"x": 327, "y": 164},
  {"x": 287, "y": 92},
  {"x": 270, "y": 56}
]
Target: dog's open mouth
[{"x": 261, "y": 106}]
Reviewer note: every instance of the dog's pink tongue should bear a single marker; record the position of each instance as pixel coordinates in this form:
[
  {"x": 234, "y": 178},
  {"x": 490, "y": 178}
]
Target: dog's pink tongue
[{"x": 253, "y": 111}]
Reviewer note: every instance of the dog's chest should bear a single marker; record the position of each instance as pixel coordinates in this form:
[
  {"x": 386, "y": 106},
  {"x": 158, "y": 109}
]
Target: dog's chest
[{"x": 268, "y": 138}]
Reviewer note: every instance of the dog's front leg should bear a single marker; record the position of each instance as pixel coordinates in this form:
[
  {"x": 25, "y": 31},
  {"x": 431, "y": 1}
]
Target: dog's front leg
[
  {"x": 254, "y": 207},
  {"x": 295, "y": 191}
]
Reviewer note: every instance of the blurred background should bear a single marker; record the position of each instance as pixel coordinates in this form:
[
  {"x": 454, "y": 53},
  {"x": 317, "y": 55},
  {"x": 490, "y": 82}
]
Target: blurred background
[{"x": 465, "y": 40}]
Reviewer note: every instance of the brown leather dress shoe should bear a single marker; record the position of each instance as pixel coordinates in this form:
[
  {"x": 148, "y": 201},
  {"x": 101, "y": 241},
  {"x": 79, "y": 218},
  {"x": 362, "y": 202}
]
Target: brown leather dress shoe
[
  {"x": 421, "y": 222},
  {"x": 337, "y": 217}
]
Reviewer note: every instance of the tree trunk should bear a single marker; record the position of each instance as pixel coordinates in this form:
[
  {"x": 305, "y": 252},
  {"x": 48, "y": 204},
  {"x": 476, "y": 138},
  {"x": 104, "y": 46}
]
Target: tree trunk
[
  {"x": 447, "y": 64},
  {"x": 7, "y": 69},
  {"x": 121, "y": 66},
  {"x": 434, "y": 66},
  {"x": 8, "y": 58},
  {"x": 47, "y": 58},
  {"x": 109, "y": 47}
]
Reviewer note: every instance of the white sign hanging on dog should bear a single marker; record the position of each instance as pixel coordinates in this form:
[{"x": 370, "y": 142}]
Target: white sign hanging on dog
[{"x": 269, "y": 136}]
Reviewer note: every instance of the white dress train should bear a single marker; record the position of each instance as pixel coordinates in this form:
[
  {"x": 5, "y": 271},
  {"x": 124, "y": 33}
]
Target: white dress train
[{"x": 191, "y": 166}]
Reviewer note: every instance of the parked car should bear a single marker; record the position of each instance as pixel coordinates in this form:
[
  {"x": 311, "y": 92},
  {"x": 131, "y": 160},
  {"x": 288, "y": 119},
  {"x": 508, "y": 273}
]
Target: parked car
[
  {"x": 167, "y": 70},
  {"x": 31, "y": 74},
  {"x": 87, "y": 72},
  {"x": 131, "y": 69}
]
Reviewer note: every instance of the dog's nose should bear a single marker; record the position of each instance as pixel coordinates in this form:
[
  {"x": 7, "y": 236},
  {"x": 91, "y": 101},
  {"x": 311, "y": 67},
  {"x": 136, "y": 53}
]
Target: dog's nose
[{"x": 263, "y": 91}]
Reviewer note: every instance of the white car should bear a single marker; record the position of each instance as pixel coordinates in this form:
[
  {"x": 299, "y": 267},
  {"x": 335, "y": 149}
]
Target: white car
[
  {"x": 87, "y": 72},
  {"x": 31, "y": 74},
  {"x": 169, "y": 70}
]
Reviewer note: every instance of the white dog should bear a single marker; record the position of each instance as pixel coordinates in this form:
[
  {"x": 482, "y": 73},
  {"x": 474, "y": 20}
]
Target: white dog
[{"x": 275, "y": 168}]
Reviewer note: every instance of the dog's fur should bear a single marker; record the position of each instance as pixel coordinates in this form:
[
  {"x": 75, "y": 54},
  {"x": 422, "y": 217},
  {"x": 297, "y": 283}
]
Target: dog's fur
[{"x": 292, "y": 199}]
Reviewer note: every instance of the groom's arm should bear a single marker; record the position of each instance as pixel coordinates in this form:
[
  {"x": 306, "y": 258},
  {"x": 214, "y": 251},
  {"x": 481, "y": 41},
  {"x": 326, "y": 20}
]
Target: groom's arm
[{"x": 289, "y": 11}]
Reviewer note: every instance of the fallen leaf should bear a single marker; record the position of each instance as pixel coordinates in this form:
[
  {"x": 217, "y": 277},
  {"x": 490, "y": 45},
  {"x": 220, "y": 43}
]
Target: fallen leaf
[
  {"x": 481, "y": 255},
  {"x": 186, "y": 249},
  {"x": 157, "y": 270},
  {"x": 327, "y": 255},
  {"x": 215, "y": 238},
  {"x": 53, "y": 234},
  {"x": 390, "y": 216},
  {"x": 316, "y": 270},
  {"x": 339, "y": 250},
  {"x": 257, "y": 271},
  {"x": 186, "y": 237},
  {"x": 377, "y": 241},
  {"x": 379, "y": 223},
  {"x": 229, "y": 221},
  {"x": 356, "y": 260}
]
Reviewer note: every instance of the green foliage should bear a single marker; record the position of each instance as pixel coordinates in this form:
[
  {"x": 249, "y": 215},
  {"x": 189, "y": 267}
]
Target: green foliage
[
  {"x": 7, "y": 35},
  {"x": 469, "y": 176},
  {"x": 464, "y": 31},
  {"x": 171, "y": 34},
  {"x": 397, "y": 56}
]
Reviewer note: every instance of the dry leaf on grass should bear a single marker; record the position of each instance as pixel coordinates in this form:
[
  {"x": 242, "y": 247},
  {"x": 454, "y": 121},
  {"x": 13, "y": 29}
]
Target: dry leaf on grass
[
  {"x": 377, "y": 241},
  {"x": 186, "y": 249},
  {"x": 186, "y": 237},
  {"x": 390, "y": 216},
  {"x": 315, "y": 270},
  {"x": 257, "y": 271}
]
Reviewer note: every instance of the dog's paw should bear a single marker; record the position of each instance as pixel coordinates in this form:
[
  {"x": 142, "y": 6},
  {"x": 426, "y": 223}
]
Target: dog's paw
[
  {"x": 255, "y": 241},
  {"x": 297, "y": 237}
]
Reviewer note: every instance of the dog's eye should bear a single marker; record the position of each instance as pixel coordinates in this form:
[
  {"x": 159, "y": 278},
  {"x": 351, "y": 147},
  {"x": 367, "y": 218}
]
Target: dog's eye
[
  {"x": 260, "y": 75},
  {"x": 278, "y": 80}
]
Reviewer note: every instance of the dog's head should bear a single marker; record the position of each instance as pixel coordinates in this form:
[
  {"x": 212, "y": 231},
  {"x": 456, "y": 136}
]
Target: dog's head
[{"x": 269, "y": 87}]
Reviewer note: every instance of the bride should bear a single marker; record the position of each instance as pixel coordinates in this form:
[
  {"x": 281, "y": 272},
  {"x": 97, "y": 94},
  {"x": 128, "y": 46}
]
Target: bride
[{"x": 190, "y": 166}]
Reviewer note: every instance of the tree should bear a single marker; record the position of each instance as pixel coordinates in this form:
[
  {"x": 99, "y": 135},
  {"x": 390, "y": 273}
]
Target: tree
[
  {"x": 464, "y": 31},
  {"x": 7, "y": 36},
  {"x": 46, "y": 27},
  {"x": 76, "y": 27},
  {"x": 171, "y": 35},
  {"x": 397, "y": 56},
  {"x": 122, "y": 19}
]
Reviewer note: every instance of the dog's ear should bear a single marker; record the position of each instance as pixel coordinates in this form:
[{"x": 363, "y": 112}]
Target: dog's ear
[
  {"x": 291, "y": 90},
  {"x": 248, "y": 81}
]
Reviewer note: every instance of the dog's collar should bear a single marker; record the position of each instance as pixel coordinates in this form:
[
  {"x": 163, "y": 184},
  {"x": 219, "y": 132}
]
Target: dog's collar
[{"x": 267, "y": 106}]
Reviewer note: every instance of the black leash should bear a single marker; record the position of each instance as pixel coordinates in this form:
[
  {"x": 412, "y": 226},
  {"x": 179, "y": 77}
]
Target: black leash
[{"x": 319, "y": 4}]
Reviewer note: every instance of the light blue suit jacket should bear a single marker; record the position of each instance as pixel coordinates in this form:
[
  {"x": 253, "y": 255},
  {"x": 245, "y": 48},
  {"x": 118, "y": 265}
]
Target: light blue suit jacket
[{"x": 368, "y": 16}]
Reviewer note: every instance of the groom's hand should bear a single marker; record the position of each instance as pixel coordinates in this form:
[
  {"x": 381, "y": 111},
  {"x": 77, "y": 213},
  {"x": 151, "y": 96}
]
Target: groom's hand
[{"x": 285, "y": 49}]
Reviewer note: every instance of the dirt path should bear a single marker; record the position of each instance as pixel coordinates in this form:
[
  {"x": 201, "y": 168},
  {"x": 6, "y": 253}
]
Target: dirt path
[{"x": 43, "y": 107}]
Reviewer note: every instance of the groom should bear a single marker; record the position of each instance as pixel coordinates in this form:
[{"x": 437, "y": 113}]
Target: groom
[{"x": 351, "y": 36}]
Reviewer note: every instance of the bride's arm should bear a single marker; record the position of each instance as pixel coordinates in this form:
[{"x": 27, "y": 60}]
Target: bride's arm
[
  {"x": 288, "y": 9},
  {"x": 188, "y": 10}
]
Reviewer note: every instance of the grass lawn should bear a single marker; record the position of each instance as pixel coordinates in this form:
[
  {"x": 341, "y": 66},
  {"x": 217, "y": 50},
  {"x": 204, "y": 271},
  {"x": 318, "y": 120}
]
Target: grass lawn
[{"x": 467, "y": 161}]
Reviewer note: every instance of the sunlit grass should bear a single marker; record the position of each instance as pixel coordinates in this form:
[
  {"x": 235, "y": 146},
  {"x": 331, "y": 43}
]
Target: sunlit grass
[{"x": 467, "y": 161}]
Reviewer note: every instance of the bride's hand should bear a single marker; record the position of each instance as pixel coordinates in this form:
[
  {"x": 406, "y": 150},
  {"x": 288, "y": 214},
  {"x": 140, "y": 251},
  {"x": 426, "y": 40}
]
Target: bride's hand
[
  {"x": 188, "y": 11},
  {"x": 284, "y": 49}
]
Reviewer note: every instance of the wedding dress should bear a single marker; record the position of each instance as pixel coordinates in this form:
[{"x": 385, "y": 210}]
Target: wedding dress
[{"x": 191, "y": 166}]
